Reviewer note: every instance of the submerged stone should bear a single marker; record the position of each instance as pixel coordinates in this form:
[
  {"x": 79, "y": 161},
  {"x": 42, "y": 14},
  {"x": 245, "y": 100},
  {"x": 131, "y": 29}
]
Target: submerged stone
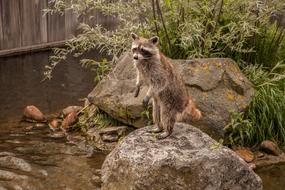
[
  {"x": 15, "y": 163},
  {"x": 187, "y": 159}
]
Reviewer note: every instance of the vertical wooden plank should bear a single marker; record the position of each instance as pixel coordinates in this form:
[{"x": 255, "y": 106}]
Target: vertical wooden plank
[
  {"x": 70, "y": 24},
  {"x": 1, "y": 27},
  {"x": 40, "y": 21},
  {"x": 13, "y": 18},
  {"x": 27, "y": 14},
  {"x": 6, "y": 24},
  {"x": 22, "y": 23},
  {"x": 12, "y": 23},
  {"x": 55, "y": 26},
  {"x": 16, "y": 23},
  {"x": 31, "y": 27},
  {"x": 43, "y": 21}
]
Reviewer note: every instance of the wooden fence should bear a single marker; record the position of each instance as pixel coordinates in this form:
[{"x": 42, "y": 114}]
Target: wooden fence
[{"x": 23, "y": 26}]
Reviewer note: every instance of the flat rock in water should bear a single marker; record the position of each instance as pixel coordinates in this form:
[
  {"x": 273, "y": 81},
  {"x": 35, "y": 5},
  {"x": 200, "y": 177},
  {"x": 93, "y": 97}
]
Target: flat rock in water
[
  {"x": 217, "y": 86},
  {"x": 184, "y": 160},
  {"x": 15, "y": 163},
  {"x": 246, "y": 154}
]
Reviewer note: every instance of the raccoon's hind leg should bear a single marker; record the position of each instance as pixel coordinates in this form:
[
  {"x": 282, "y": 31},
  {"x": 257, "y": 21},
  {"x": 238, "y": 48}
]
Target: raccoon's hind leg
[
  {"x": 167, "y": 119},
  {"x": 156, "y": 117}
]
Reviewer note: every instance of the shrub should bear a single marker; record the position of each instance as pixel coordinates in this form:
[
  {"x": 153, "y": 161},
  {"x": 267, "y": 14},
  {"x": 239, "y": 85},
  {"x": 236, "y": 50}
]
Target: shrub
[
  {"x": 187, "y": 29},
  {"x": 249, "y": 31}
]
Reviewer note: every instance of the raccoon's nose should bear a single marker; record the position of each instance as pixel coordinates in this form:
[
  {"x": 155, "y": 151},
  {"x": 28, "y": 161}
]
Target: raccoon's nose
[{"x": 136, "y": 57}]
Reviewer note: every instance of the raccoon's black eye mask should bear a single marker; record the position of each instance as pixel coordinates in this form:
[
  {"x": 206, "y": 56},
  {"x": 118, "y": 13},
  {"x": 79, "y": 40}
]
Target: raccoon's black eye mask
[{"x": 146, "y": 54}]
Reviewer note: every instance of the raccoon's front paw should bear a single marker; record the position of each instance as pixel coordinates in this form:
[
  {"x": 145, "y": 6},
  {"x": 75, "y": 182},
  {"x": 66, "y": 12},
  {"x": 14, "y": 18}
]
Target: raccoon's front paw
[
  {"x": 137, "y": 91},
  {"x": 145, "y": 101}
]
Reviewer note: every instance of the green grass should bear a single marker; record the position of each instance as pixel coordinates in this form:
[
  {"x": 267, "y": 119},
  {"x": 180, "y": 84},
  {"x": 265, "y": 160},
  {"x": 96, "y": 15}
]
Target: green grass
[
  {"x": 94, "y": 117},
  {"x": 265, "y": 117}
]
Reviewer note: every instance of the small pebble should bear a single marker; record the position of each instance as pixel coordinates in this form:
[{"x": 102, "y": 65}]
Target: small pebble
[
  {"x": 53, "y": 125},
  {"x": 29, "y": 128}
]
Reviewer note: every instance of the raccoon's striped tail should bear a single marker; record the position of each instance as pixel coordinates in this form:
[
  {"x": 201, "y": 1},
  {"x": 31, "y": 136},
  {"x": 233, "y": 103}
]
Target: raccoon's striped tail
[{"x": 190, "y": 113}]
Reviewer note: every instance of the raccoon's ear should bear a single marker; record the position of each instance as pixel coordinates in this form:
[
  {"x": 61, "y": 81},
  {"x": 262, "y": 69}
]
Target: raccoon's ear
[
  {"x": 154, "y": 40},
  {"x": 134, "y": 36}
]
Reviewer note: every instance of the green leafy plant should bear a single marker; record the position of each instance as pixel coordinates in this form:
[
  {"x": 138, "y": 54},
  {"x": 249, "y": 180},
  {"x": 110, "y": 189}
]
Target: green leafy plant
[
  {"x": 265, "y": 117},
  {"x": 249, "y": 31},
  {"x": 187, "y": 29},
  {"x": 147, "y": 113},
  {"x": 94, "y": 117}
]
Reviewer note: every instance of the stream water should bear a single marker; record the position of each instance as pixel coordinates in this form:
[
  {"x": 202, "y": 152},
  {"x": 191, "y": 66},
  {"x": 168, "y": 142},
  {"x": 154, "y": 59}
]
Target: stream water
[
  {"x": 34, "y": 158},
  {"x": 273, "y": 177}
]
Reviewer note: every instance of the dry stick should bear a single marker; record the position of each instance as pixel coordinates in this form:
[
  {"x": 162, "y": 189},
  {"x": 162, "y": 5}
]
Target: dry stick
[
  {"x": 154, "y": 17},
  {"x": 219, "y": 14},
  {"x": 163, "y": 23},
  {"x": 85, "y": 107}
]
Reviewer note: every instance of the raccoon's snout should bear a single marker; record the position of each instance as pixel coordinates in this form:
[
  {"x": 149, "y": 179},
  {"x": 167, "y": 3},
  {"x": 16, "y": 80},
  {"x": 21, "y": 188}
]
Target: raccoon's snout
[{"x": 136, "y": 57}]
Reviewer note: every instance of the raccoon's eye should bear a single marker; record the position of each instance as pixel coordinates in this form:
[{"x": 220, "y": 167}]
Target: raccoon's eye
[
  {"x": 135, "y": 49},
  {"x": 143, "y": 50}
]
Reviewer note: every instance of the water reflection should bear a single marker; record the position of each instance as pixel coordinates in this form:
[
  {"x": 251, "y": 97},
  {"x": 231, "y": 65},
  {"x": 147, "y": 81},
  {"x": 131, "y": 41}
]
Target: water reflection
[
  {"x": 273, "y": 177},
  {"x": 33, "y": 157},
  {"x": 20, "y": 84}
]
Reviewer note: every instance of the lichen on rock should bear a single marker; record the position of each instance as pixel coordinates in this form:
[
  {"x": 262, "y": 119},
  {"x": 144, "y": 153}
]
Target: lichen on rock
[
  {"x": 216, "y": 84},
  {"x": 184, "y": 160}
]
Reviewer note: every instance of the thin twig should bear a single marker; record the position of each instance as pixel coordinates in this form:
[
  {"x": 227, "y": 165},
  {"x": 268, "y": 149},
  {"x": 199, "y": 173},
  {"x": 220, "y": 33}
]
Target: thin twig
[
  {"x": 218, "y": 16},
  {"x": 163, "y": 24},
  {"x": 154, "y": 17},
  {"x": 84, "y": 108}
]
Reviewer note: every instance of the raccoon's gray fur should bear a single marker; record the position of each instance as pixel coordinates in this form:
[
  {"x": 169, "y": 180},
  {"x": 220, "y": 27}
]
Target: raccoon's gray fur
[{"x": 170, "y": 99}]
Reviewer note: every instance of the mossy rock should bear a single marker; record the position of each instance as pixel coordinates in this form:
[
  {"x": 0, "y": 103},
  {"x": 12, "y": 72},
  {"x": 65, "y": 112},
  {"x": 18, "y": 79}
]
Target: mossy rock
[{"x": 217, "y": 86}]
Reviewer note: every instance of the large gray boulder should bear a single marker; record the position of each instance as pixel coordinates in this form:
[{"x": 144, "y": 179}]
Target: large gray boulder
[
  {"x": 187, "y": 160},
  {"x": 217, "y": 86}
]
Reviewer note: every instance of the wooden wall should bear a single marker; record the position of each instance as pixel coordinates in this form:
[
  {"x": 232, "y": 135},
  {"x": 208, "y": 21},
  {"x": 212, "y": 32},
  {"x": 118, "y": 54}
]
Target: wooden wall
[{"x": 22, "y": 24}]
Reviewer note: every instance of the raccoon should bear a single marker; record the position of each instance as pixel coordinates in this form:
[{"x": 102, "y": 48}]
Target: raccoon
[{"x": 170, "y": 100}]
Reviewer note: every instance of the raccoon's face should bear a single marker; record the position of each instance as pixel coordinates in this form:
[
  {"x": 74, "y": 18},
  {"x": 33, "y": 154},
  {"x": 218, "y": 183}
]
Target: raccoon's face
[{"x": 144, "y": 49}]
